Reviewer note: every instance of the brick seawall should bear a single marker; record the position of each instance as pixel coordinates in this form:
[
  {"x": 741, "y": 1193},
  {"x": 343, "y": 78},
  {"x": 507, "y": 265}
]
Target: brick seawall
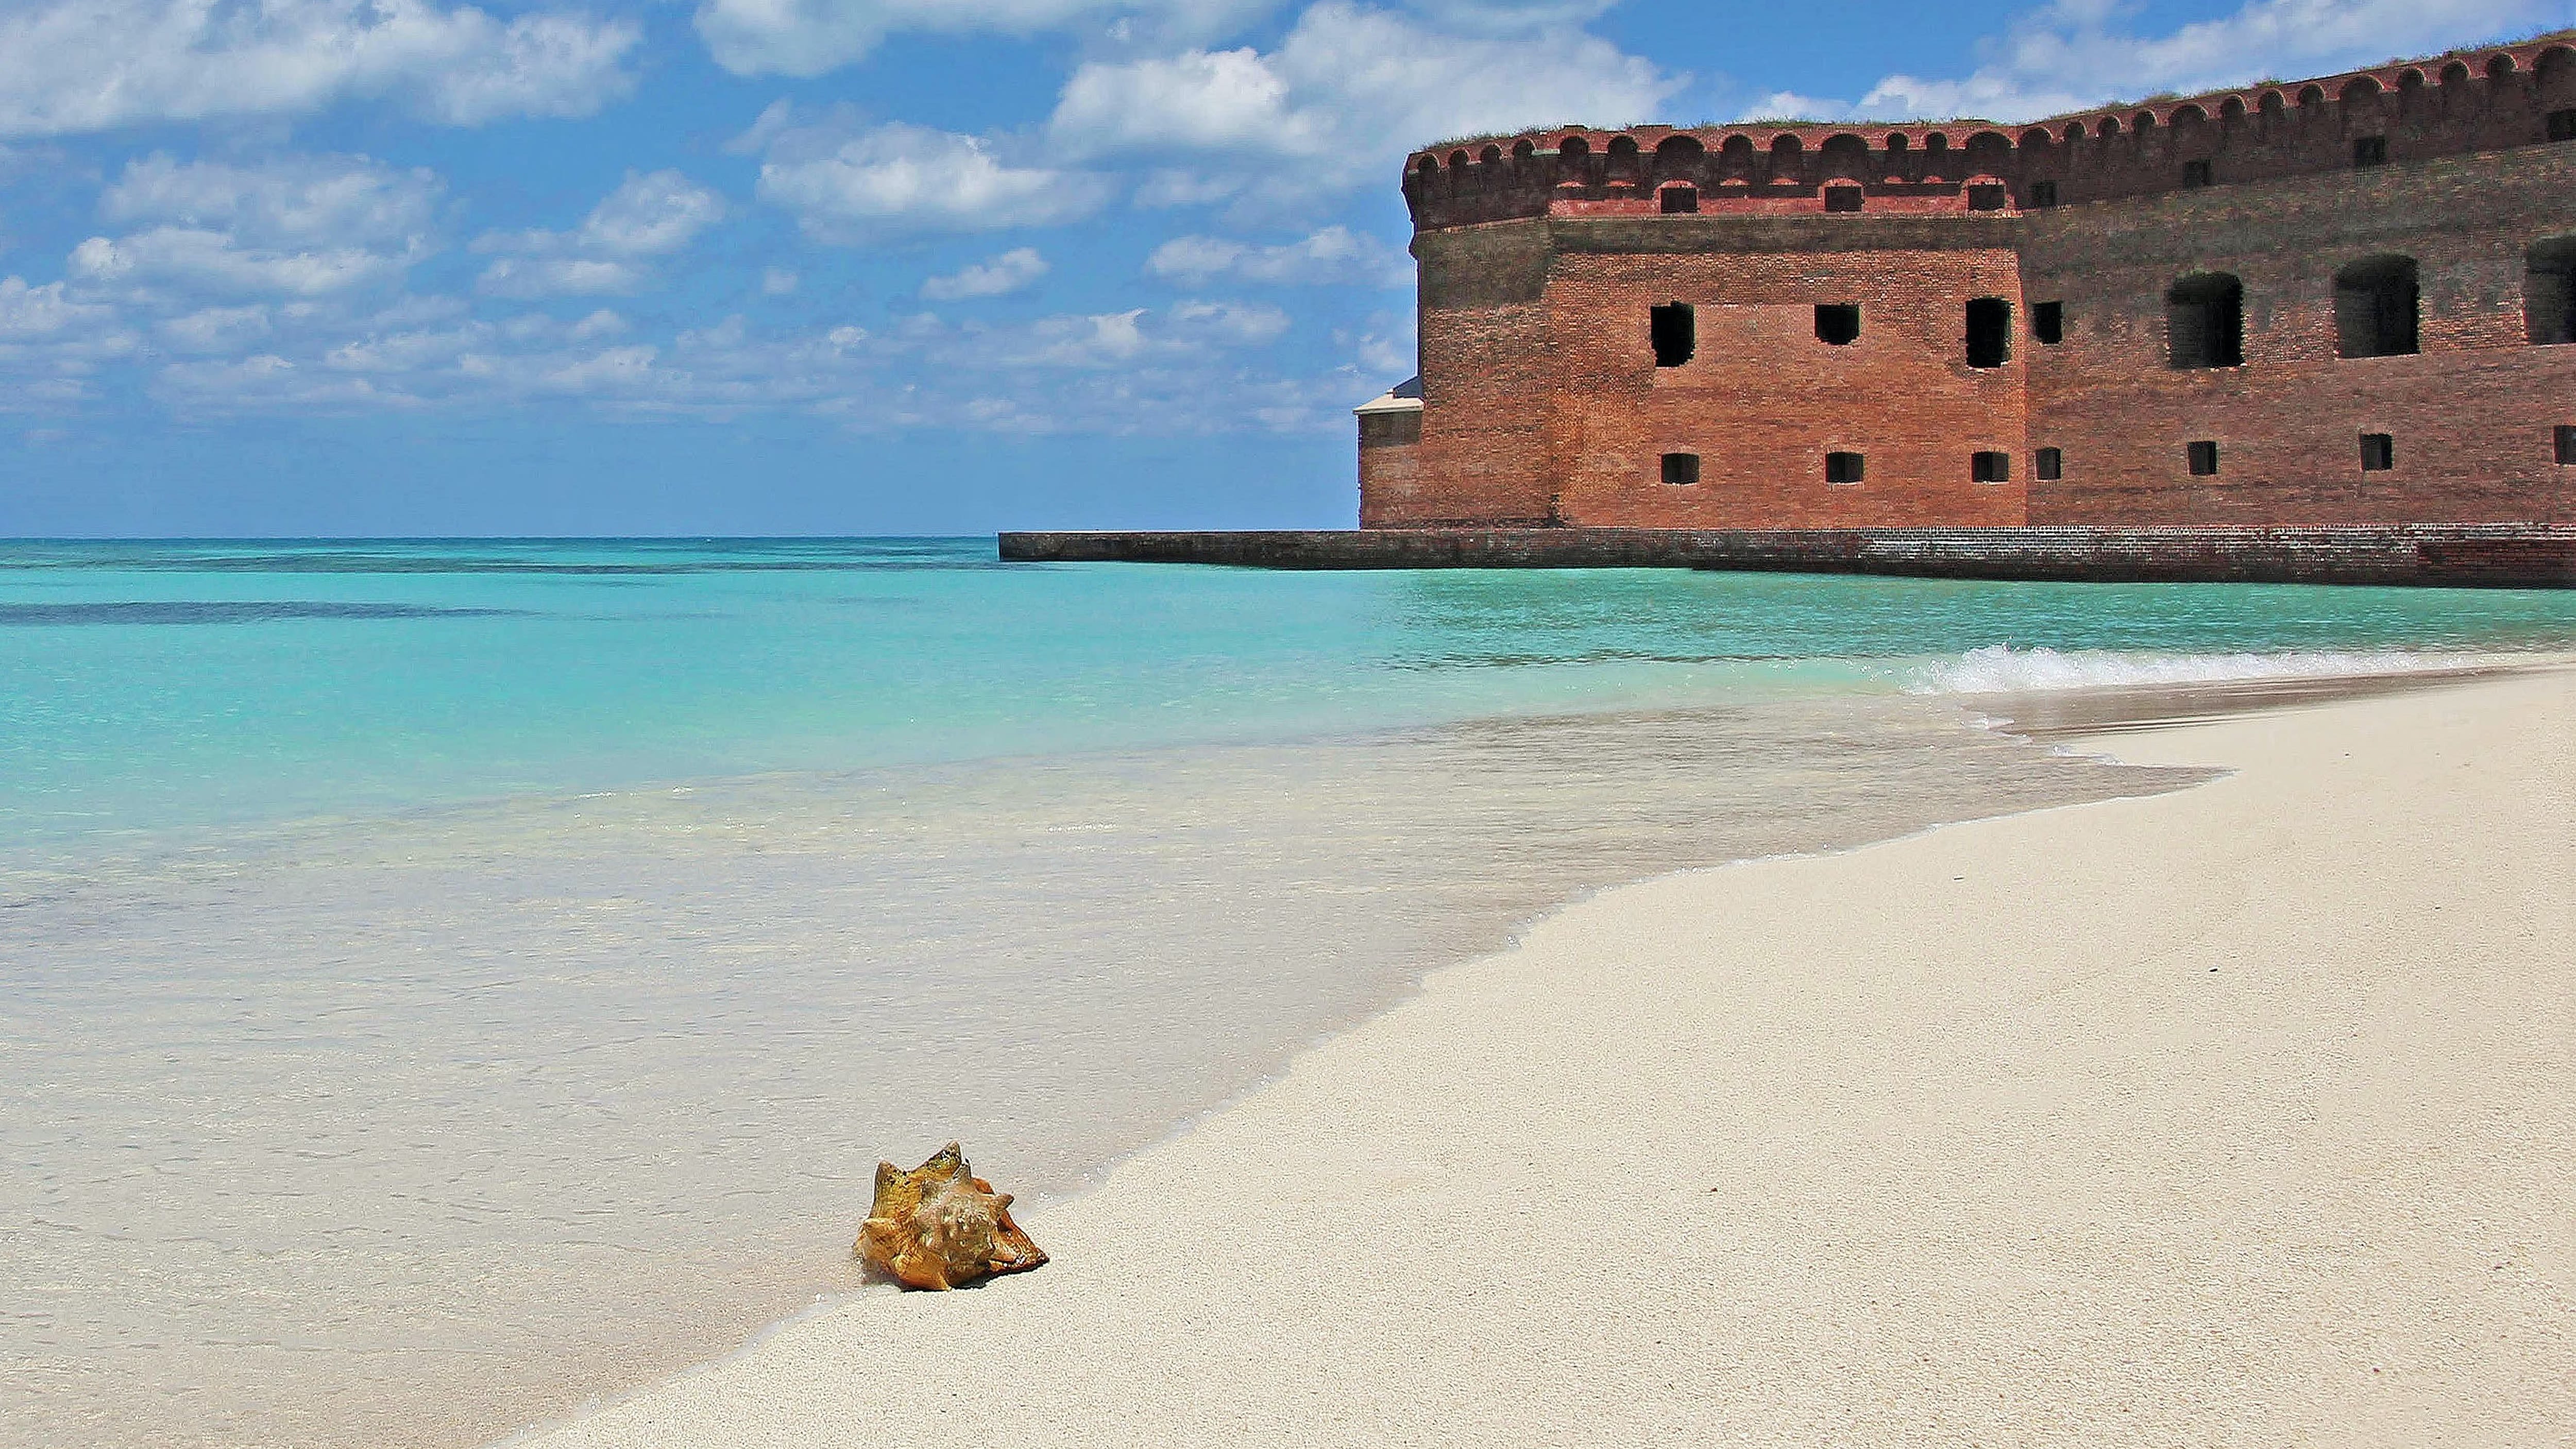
[{"x": 2456, "y": 556}]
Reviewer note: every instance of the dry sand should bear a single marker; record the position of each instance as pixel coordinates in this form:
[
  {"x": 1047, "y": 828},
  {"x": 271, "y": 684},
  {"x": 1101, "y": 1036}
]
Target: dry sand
[{"x": 2240, "y": 1116}]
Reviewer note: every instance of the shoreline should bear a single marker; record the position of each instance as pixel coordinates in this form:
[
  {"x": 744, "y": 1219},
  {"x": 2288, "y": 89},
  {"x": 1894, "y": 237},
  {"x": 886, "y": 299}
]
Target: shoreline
[{"x": 1398, "y": 1240}]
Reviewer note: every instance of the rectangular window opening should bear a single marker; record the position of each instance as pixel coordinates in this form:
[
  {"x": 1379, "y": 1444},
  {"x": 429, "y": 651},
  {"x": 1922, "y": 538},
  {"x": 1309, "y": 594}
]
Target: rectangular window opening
[
  {"x": 1680, "y": 200},
  {"x": 2370, "y": 151},
  {"x": 2048, "y": 465},
  {"x": 1837, "y": 323},
  {"x": 1843, "y": 198},
  {"x": 2042, "y": 194},
  {"x": 1989, "y": 332},
  {"x": 1847, "y": 467},
  {"x": 2562, "y": 125},
  {"x": 2048, "y": 322},
  {"x": 2205, "y": 321},
  {"x": 2204, "y": 459},
  {"x": 1673, "y": 329},
  {"x": 2566, "y": 447},
  {"x": 2195, "y": 173},
  {"x": 1987, "y": 198},
  {"x": 2378, "y": 452},
  {"x": 1681, "y": 469},
  {"x": 1990, "y": 468}
]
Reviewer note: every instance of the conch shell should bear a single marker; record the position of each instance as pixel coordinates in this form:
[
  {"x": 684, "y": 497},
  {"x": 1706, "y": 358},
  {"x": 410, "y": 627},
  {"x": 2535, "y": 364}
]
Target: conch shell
[{"x": 940, "y": 1226}]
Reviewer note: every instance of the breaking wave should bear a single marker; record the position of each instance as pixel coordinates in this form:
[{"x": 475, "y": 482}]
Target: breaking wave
[{"x": 2002, "y": 669}]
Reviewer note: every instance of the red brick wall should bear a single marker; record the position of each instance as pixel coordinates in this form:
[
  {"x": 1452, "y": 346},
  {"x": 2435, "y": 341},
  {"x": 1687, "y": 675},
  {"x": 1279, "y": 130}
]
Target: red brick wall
[
  {"x": 1762, "y": 400},
  {"x": 2471, "y": 415},
  {"x": 1487, "y": 384},
  {"x": 1543, "y": 404}
]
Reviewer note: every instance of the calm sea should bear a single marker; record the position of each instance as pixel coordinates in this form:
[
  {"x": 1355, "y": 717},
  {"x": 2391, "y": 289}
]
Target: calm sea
[{"x": 441, "y": 981}]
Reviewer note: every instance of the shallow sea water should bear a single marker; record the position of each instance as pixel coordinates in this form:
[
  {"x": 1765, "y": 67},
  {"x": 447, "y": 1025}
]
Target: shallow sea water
[{"x": 448, "y": 981}]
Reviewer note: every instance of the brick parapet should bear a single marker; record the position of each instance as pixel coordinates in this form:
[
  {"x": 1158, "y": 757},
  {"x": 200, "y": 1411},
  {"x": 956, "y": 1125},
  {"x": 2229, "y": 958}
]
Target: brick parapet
[{"x": 2482, "y": 100}]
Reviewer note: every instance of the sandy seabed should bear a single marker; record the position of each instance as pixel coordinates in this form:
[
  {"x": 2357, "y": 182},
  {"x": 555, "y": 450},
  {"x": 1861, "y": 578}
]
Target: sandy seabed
[{"x": 2239, "y": 1116}]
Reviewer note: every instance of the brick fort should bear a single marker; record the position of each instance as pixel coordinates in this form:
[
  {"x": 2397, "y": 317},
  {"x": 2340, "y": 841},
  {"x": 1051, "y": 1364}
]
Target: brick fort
[{"x": 2333, "y": 305}]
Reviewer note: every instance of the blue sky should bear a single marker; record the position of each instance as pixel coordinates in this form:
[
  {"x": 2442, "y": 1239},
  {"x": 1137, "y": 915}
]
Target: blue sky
[{"x": 315, "y": 267}]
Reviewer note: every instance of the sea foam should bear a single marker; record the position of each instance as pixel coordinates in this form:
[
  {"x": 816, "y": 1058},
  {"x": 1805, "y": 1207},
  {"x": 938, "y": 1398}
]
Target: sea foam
[{"x": 2003, "y": 669}]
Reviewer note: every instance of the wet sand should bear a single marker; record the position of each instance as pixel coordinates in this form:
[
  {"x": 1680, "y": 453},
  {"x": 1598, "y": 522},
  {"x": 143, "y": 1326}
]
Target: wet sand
[{"x": 2239, "y": 1115}]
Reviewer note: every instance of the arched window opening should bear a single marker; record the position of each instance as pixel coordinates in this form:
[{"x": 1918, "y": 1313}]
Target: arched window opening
[
  {"x": 1623, "y": 157},
  {"x": 1673, "y": 331},
  {"x": 1679, "y": 200},
  {"x": 2375, "y": 308},
  {"x": 1844, "y": 196},
  {"x": 1524, "y": 149},
  {"x": 1491, "y": 155},
  {"x": 1681, "y": 470},
  {"x": 1989, "y": 332},
  {"x": 2549, "y": 291},
  {"x": 2205, "y": 321}
]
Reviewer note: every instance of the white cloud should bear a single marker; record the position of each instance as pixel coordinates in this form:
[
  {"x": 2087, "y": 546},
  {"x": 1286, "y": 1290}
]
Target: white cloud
[
  {"x": 284, "y": 201},
  {"x": 809, "y": 37},
  {"x": 1228, "y": 324},
  {"x": 43, "y": 312},
  {"x": 560, "y": 277},
  {"x": 304, "y": 226},
  {"x": 196, "y": 259},
  {"x": 650, "y": 215},
  {"x": 1348, "y": 91},
  {"x": 1335, "y": 254},
  {"x": 216, "y": 329},
  {"x": 847, "y": 187},
  {"x": 1004, "y": 274},
  {"x": 2075, "y": 54},
  {"x": 88, "y": 65},
  {"x": 779, "y": 282}
]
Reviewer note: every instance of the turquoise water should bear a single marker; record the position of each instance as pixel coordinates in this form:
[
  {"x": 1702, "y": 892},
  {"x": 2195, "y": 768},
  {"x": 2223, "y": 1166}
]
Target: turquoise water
[
  {"x": 165, "y": 685},
  {"x": 443, "y": 981}
]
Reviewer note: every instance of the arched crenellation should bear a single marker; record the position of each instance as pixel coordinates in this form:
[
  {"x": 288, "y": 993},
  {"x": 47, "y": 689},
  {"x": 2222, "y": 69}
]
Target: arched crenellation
[{"x": 2447, "y": 105}]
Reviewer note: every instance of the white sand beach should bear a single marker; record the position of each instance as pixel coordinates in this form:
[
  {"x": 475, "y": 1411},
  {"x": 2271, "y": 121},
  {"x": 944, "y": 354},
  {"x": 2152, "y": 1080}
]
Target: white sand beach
[{"x": 2244, "y": 1115}]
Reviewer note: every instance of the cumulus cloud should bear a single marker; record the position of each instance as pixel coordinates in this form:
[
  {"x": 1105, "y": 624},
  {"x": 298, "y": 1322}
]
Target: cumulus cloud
[
  {"x": 809, "y": 37},
  {"x": 71, "y": 66},
  {"x": 28, "y": 313},
  {"x": 1004, "y": 274},
  {"x": 196, "y": 259},
  {"x": 283, "y": 201},
  {"x": 560, "y": 277},
  {"x": 216, "y": 329},
  {"x": 1349, "y": 90},
  {"x": 2074, "y": 54},
  {"x": 304, "y": 226},
  {"x": 1335, "y": 254},
  {"x": 845, "y": 185},
  {"x": 650, "y": 215}
]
